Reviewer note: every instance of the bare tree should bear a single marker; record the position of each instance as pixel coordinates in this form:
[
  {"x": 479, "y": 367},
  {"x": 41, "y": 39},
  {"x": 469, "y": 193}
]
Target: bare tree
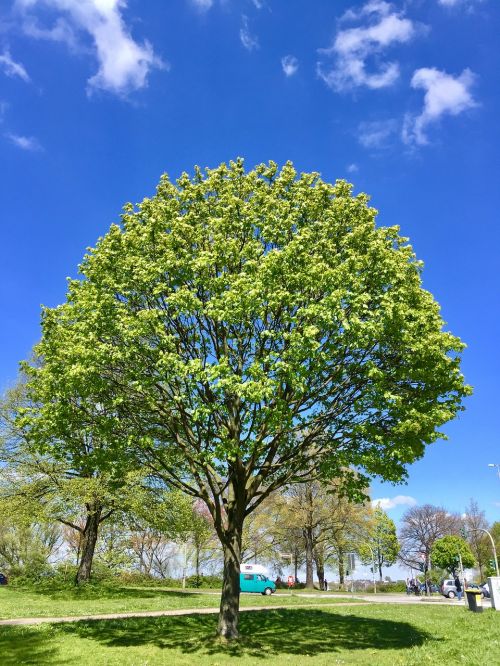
[
  {"x": 474, "y": 522},
  {"x": 421, "y": 526}
]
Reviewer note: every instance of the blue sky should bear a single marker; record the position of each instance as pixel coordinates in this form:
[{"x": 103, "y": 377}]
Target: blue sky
[{"x": 99, "y": 97}]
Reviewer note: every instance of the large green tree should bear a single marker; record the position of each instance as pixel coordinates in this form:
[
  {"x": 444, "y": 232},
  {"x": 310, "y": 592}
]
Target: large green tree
[{"x": 240, "y": 331}]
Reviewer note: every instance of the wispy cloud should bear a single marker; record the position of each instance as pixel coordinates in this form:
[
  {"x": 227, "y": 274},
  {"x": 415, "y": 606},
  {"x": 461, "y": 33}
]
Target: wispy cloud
[
  {"x": 13, "y": 68},
  {"x": 24, "y": 142},
  {"x": 352, "y": 168},
  {"x": 249, "y": 41},
  {"x": 377, "y": 133},
  {"x": 387, "y": 503},
  {"x": 3, "y": 109},
  {"x": 456, "y": 3},
  {"x": 203, "y": 5},
  {"x": 123, "y": 63},
  {"x": 444, "y": 95},
  {"x": 289, "y": 64},
  {"x": 380, "y": 26}
]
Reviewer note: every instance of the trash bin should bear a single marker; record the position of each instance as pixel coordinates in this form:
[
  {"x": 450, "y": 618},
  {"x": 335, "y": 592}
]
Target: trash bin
[{"x": 474, "y": 600}]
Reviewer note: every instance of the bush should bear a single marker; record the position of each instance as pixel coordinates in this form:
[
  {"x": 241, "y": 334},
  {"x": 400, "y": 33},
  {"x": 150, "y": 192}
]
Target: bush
[
  {"x": 204, "y": 581},
  {"x": 282, "y": 585},
  {"x": 30, "y": 575},
  {"x": 397, "y": 586}
]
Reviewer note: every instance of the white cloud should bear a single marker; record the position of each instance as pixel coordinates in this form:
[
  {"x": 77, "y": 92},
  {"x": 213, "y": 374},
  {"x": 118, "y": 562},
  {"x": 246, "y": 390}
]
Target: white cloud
[
  {"x": 24, "y": 142},
  {"x": 456, "y": 3},
  {"x": 249, "y": 41},
  {"x": 61, "y": 31},
  {"x": 12, "y": 68},
  {"x": 378, "y": 133},
  {"x": 444, "y": 94},
  {"x": 124, "y": 64},
  {"x": 204, "y": 5},
  {"x": 258, "y": 3},
  {"x": 352, "y": 168},
  {"x": 290, "y": 65},
  {"x": 381, "y": 26},
  {"x": 387, "y": 503}
]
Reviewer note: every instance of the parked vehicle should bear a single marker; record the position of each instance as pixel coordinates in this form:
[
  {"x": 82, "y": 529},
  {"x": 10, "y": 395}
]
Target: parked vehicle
[
  {"x": 448, "y": 588},
  {"x": 3, "y": 579},
  {"x": 253, "y": 578},
  {"x": 432, "y": 588}
]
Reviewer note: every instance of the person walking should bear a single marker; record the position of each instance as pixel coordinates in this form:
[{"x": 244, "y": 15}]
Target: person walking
[{"x": 458, "y": 585}]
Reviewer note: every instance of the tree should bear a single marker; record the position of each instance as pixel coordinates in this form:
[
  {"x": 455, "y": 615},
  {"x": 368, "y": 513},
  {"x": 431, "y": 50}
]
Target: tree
[
  {"x": 382, "y": 541},
  {"x": 246, "y": 331},
  {"x": 421, "y": 527},
  {"x": 348, "y": 526},
  {"x": 447, "y": 551},
  {"x": 26, "y": 547},
  {"x": 474, "y": 522}
]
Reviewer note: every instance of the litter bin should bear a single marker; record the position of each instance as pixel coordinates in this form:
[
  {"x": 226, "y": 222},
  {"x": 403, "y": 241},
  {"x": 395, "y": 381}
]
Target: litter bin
[{"x": 474, "y": 600}]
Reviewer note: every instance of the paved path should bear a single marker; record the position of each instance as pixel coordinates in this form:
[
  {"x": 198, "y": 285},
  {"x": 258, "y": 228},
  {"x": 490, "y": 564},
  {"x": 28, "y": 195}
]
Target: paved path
[
  {"x": 402, "y": 599},
  {"x": 183, "y": 611},
  {"x": 357, "y": 600}
]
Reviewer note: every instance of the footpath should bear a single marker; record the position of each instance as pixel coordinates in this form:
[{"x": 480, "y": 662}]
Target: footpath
[{"x": 354, "y": 601}]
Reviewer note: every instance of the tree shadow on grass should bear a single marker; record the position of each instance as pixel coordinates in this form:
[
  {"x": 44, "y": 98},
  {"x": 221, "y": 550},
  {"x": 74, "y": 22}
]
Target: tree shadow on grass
[
  {"x": 26, "y": 645},
  {"x": 265, "y": 633}
]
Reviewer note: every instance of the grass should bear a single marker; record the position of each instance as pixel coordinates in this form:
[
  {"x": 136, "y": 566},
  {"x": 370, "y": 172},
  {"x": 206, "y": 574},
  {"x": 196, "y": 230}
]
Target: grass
[
  {"x": 47, "y": 601},
  {"x": 381, "y": 635}
]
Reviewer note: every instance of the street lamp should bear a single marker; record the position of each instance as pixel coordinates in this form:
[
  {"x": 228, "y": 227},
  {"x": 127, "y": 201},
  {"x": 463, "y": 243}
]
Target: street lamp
[{"x": 497, "y": 466}]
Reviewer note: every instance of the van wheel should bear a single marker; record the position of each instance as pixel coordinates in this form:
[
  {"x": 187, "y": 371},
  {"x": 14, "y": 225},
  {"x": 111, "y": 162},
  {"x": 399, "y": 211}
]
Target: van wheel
[
  {"x": 451, "y": 595},
  {"x": 268, "y": 591}
]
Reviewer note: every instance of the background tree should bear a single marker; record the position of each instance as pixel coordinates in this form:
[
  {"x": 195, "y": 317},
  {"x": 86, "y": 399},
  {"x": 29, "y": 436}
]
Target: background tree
[
  {"x": 490, "y": 569},
  {"x": 243, "y": 332},
  {"x": 348, "y": 526},
  {"x": 446, "y": 551},
  {"x": 480, "y": 545},
  {"x": 74, "y": 488},
  {"x": 421, "y": 527},
  {"x": 382, "y": 541},
  {"x": 27, "y": 547}
]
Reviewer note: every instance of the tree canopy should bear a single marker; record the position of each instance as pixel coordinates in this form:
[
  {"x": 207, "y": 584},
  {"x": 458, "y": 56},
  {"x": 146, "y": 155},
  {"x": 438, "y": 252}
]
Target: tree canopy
[
  {"x": 240, "y": 331},
  {"x": 447, "y": 551}
]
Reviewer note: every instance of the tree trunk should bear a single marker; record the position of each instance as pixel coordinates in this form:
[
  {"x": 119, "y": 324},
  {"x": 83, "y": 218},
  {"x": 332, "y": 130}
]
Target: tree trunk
[
  {"x": 197, "y": 562},
  {"x": 320, "y": 570},
  {"x": 341, "y": 566},
  {"x": 230, "y": 599},
  {"x": 308, "y": 536},
  {"x": 89, "y": 540}
]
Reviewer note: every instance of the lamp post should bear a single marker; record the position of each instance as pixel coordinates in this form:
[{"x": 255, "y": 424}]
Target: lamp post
[
  {"x": 480, "y": 529},
  {"x": 497, "y": 466}
]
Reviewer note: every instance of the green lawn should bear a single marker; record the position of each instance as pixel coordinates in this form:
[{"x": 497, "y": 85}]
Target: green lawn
[
  {"x": 96, "y": 599},
  {"x": 374, "y": 635}
]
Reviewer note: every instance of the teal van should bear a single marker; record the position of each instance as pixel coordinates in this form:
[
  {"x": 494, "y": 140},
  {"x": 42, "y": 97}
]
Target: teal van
[{"x": 256, "y": 582}]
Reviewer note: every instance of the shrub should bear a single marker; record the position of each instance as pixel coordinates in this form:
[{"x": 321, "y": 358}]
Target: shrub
[{"x": 204, "y": 581}]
